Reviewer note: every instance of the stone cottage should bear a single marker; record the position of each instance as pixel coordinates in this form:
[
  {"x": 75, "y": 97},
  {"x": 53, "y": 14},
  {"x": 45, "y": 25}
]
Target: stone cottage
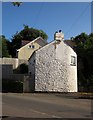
[
  {"x": 28, "y": 47},
  {"x": 53, "y": 68}
]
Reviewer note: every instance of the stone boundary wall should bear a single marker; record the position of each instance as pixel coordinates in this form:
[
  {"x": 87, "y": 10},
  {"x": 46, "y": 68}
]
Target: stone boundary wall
[
  {"x": 15, "y": 77},
  {"x": 8, "y": 65},
  {"x": 12, "y": 61}
]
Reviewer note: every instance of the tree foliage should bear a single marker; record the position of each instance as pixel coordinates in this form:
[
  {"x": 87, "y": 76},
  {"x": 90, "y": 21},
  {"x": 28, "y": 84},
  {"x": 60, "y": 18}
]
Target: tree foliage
[
  {"x": 22, "y": 68},
  {"x": 84, "y": 43},
  {"x": 17, "y": 3},
  {"x": 84, "y": 49},
  {"x": 5, "y": 48},
  {"x": 26, "y": 34}
]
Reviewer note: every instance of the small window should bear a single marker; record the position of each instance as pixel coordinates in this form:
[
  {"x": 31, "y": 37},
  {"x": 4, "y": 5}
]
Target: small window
[
  {"x": 73, "y": 60},
  {"x": 31, "y": 46}
]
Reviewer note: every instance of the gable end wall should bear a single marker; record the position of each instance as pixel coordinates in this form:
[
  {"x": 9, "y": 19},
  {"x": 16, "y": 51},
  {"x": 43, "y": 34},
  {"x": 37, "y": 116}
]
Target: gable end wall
[{"x": 53, "y": 71}]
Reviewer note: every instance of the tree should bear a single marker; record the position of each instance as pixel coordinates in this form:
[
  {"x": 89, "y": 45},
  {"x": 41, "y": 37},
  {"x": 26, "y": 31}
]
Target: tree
[
  {"x": 5, "y": 51},
  {"x": 84, "y": 50},
  {"x": 26, "y": 34},
  {"x": 17, "y": 3}
]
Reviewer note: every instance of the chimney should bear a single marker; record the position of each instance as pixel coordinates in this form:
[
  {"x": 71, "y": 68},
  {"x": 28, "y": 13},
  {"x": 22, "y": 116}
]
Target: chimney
[{"x": 59, "y": 36}]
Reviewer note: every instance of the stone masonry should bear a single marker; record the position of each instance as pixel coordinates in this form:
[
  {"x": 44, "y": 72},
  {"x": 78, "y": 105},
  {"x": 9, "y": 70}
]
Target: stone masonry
[
  {"x": 53, "y": 73},
  {"x": 53, "y": 68}
]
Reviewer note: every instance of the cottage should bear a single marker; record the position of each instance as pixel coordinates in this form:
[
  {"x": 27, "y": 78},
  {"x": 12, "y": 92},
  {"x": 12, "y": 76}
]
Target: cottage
[
  {"x": 53, "y": 67},
  {"x": 28, "y": 47}
]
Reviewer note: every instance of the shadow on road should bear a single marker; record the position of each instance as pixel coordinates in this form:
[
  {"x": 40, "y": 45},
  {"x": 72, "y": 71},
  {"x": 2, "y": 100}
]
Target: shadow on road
[
  {"x": 75, "y": 96},
  {"x": 22, "y": 118}
]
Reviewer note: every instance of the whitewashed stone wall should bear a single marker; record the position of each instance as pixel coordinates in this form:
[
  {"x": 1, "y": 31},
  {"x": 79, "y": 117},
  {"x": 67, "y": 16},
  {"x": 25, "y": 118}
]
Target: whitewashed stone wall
[{"x": 53, "y": 70}]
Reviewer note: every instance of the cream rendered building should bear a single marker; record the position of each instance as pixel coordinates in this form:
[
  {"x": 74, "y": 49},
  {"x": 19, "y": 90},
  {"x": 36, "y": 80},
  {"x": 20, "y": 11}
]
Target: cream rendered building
[{"x": 27, "y": 50}]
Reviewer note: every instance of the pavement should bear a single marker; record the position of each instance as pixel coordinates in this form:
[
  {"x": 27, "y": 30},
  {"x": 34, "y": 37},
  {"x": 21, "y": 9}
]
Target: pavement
[{"x": 31, "y": 106}]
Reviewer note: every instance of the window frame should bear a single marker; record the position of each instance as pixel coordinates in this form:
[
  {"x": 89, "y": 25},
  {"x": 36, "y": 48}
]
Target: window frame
[
  {"x": 73, "y": 61},
  {"x": 31, "y": 46}
]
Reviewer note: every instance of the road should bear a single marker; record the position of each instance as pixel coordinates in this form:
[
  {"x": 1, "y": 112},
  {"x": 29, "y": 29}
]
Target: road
[{"x": 43, "y": 105}]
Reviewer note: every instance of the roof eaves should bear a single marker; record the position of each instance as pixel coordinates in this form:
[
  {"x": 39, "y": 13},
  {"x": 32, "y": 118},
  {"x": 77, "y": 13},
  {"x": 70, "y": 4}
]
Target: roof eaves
[{"x": 30, "y": 43}]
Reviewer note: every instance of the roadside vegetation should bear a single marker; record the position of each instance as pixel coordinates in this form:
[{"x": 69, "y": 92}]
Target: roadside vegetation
[
  {"x": 12, "y": 86},
  {"x": 21, "y": 69},
  {"x": 9, "y": 47},
  {"x": 84, "y": 49}
]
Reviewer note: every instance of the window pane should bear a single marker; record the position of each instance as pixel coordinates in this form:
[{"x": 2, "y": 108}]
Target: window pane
[{"x": 73, "y": 60}]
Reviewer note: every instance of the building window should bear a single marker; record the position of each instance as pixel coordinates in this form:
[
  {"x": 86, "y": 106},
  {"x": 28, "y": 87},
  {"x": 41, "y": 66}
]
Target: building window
[
  {"x": 31, "y": 46},
  {"x": 73, "y": 60}
]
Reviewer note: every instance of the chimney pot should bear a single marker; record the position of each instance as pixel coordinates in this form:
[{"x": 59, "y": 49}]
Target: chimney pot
[
  {"x": 60, "y": 30},
  {"x": 59, "y": 35}
]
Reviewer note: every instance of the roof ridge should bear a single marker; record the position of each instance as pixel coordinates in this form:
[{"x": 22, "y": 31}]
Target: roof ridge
[{"x": 32, "y": 42}]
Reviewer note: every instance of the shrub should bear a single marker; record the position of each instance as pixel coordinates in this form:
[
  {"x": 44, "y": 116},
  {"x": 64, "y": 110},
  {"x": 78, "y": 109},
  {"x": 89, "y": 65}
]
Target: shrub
[
  {"x": 12, "y": 86},
  {"x": 86, "y": 84},
  {"x": 22, "y": 69}
]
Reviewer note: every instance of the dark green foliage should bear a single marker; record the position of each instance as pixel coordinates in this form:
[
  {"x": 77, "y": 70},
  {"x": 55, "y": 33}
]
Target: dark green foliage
[
  {"x": 29, "y": 34},
  {"x": 12, "y": 86},
  {"x": 10, "y": 48},
  {"x": 5, "y": 47},
  {"x": 17, "y": 3},
  {"x": 84, "y": 50},
  {"x": 84, "y": 43},
  {"x": 22, "y": 69},
  {"x": 26, "y": 34},
  {"x": 86, "y": 83}
]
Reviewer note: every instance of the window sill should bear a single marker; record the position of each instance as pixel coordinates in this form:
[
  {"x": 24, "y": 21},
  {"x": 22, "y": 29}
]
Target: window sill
[{"x": 73, "y": 64}]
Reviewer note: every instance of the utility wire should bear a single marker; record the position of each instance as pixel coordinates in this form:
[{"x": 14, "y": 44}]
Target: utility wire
[
  {"x": 77, "y": 19},
  {"x": 38, "y": 14}
]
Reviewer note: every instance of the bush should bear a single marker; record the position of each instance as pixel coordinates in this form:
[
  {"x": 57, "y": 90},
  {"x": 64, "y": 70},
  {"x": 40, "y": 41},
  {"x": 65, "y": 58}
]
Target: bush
[
  {"x": 86, "y": 84},
  {"x": 22, "y": 69},
  {"x": 12, "y": 86}
]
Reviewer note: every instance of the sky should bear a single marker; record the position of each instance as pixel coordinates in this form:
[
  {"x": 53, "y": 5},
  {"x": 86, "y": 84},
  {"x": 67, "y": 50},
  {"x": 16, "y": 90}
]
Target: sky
[{"x": 72, "y": 18}]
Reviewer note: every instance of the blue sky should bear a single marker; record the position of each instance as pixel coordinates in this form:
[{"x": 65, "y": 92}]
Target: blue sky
[{"x": 72, "y": 18}]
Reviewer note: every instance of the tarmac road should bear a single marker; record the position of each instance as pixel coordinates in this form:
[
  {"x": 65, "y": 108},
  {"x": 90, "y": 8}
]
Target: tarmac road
[{"x": 43, "y": 105}]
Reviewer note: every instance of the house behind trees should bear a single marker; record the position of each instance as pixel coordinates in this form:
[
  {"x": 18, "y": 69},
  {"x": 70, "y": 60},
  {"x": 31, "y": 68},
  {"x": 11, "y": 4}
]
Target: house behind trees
[{"x": 28, "y": 47}]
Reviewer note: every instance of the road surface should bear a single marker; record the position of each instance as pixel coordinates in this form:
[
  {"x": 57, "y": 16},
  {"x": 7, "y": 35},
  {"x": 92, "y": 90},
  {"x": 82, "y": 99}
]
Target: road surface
[{"x": 43, "y": 105}]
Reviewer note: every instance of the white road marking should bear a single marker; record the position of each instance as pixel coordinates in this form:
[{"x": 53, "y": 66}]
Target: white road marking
[{"x": 44, "y": 113}]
